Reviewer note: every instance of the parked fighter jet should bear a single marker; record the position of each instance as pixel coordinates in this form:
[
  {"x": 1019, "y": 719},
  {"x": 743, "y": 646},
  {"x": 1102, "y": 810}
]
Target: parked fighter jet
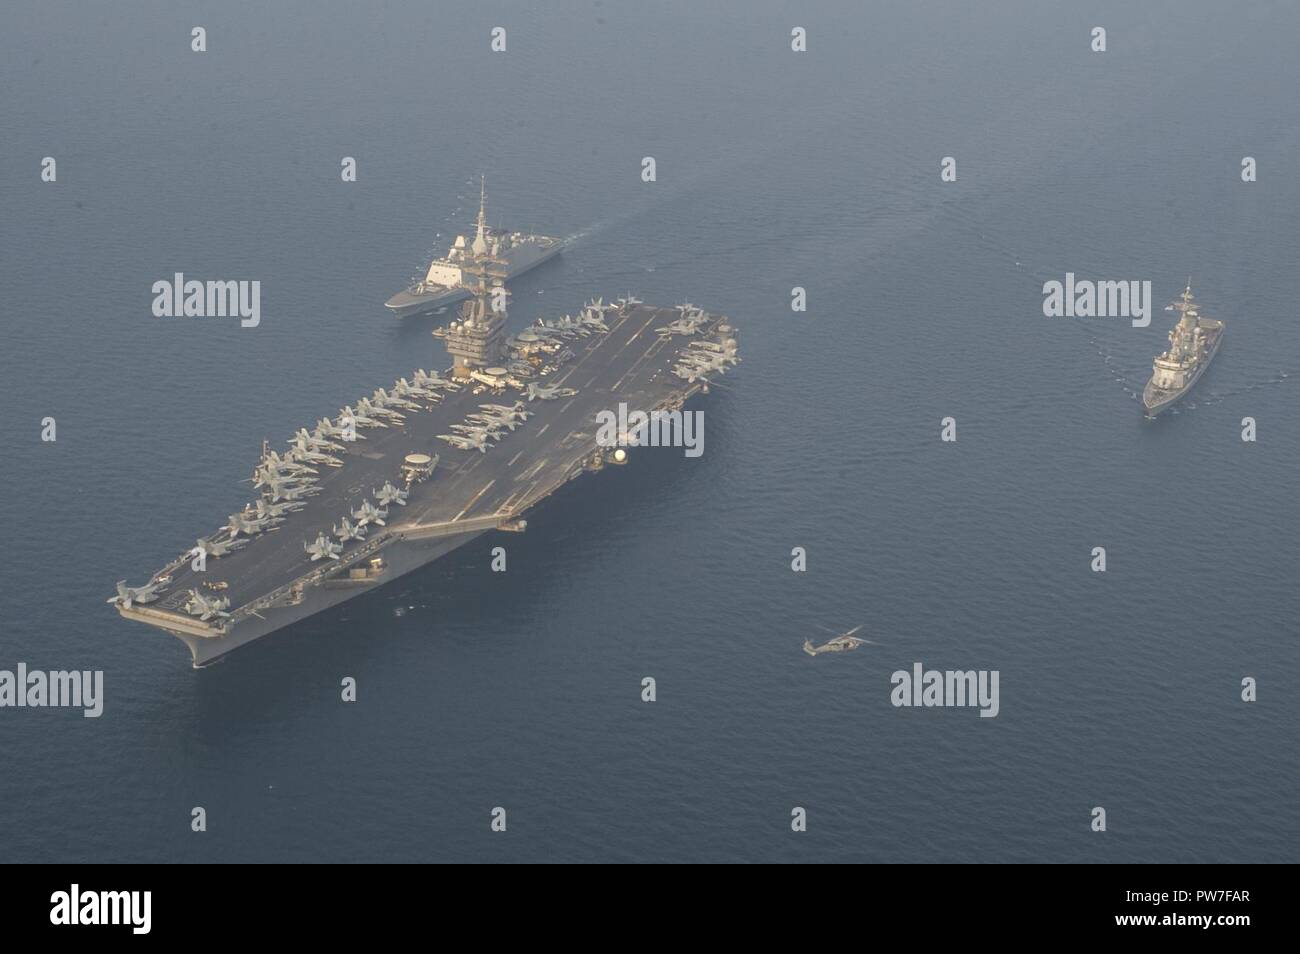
[
  {"x": 327, "y": 428},
  {"x": 592, "y": 319},
  {"x": 315, "y": 441},
  {"x": 279, "y": 490},
  {"x": 303, "y": 452},
  {"x": 540, "y": 392},
  {"x": 478, "y": 443},
  {"x": 491, "y": 422},
  {"x": 426, "y": 379},
  {"x": 287, "y": 464},
  {"x": 348, "y": 531},
  {"x": 219, "y": 548},
  {"x": 383, "y": 399},
  {"x": 128, "y": 595},
  {"x": 679, "y": 326},
  {"x": 354, "y": 416},
  {"x": 323, "y": 548},
  {"x": 516, "y": 410},
  {"x": 404, "y": 388},
  {"x": 369, "y": 513},
  {"x": 388, "y": 494},
  {"x": 205, "y": 609},
  {"x": 270, "y": 511},
  {"x": 240, "y": 523},
  {"x": 485, "y": 429},
  {"x": 374, "y": 411}
]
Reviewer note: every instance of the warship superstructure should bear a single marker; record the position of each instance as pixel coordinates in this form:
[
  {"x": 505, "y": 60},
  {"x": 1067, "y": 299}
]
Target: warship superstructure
[
  {"x": 1193, "y": 343},
  {"x": 447, "y": 279},
  {"x": 414, "y": 471}
]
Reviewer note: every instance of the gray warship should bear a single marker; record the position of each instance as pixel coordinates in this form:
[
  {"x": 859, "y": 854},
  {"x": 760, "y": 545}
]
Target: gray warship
[
  {"x": 1193, "y": 343},
  {"x": 448, "y": 279},
  {"x": 400, "y": 478}
]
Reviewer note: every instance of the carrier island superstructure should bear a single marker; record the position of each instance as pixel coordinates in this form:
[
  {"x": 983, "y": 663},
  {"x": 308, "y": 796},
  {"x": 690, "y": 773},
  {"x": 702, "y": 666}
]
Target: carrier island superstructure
[
  {"x": 449, "y": 279},
  {"x": 1193, "y": 343},
  {"x": 416, "y": 470}
]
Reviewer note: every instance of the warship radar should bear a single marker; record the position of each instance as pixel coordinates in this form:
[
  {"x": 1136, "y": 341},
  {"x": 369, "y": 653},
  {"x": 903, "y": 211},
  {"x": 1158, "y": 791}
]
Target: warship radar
[
  {"x": 516, "y": 418},
  {"x": 446, "y": 279},
  {"x": 1193, "y": 343}
]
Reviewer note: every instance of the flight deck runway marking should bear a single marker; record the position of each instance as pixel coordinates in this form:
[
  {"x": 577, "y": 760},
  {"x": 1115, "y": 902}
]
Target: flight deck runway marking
[
  {"x": 636, "y": 364},
  {"x": 474, "y": 499},
  {"x": 512, "y": 460}
]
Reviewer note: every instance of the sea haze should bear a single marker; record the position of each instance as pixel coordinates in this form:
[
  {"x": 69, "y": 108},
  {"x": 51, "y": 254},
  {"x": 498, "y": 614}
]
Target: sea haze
[{"x": 775, "y": 169}]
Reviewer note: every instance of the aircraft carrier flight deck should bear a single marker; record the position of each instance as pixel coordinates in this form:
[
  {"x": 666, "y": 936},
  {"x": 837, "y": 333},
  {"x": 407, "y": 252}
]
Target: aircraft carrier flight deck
[{"x": 542, "y": 434}]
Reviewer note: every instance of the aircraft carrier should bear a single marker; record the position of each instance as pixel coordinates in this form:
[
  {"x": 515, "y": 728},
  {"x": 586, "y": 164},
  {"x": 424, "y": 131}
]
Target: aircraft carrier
[
  {"x": 402, "y": 478},
  {"x": 1193, "y": 343},
  {"x": 449, "y": 280}
]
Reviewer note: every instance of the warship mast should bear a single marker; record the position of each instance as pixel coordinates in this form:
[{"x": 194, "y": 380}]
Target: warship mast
[{"x": 476, "y": 340}]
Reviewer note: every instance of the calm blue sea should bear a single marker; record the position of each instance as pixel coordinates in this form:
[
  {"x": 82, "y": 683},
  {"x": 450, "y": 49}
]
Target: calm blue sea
[{"x": 775, "y": 169}]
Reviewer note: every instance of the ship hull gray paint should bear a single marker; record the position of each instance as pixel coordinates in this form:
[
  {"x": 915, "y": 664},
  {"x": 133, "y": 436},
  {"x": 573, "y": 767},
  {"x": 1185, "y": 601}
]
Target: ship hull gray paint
[
  {"x": 468, "y": 494},
  {"x": 401, "y": 557},
  {"x": 1156, "y": 408},
  {"x": 409, "y": 303}
]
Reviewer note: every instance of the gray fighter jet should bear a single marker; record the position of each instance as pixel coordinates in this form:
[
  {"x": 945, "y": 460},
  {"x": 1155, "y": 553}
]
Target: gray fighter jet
[
  {"x": 383, "y": 399},
  {"x": 204, "y": 608},
  {"x": 242, "y": 523},
  {"x": 277, "y": 512},
  {"x": 369, "y": 513},
  {"x": 388, "y": 495},
  {"x": 323, "y": 548},
  {"x": 315, "y": 440},
  {"x": 357, "y": 418},
  {"x": 432, "y": 379},
  {"x": 129, "y": 595},
  {"x": 375, "y": 412},
  {"x": 348, "y": 531},
  {"x": 541, "y": 392},
  {"x": 478, "y": 442},
  {"x": 219, "y": 548},
  {"x": 279, "y": 490}
]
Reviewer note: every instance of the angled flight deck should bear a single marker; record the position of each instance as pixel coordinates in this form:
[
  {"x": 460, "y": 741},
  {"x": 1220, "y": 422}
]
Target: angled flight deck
[{"x": 541, "y": 423}]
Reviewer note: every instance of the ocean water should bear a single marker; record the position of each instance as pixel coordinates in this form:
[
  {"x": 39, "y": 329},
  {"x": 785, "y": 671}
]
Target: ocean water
[{"x": 522, "y": 690}]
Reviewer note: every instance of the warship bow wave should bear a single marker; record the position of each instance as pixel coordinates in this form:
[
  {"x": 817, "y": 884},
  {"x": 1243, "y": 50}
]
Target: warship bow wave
[
  {"x": 448, "y": 279},
  {"x": 363, "y": 499},
  {"x": 1193, "y": 343}
]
